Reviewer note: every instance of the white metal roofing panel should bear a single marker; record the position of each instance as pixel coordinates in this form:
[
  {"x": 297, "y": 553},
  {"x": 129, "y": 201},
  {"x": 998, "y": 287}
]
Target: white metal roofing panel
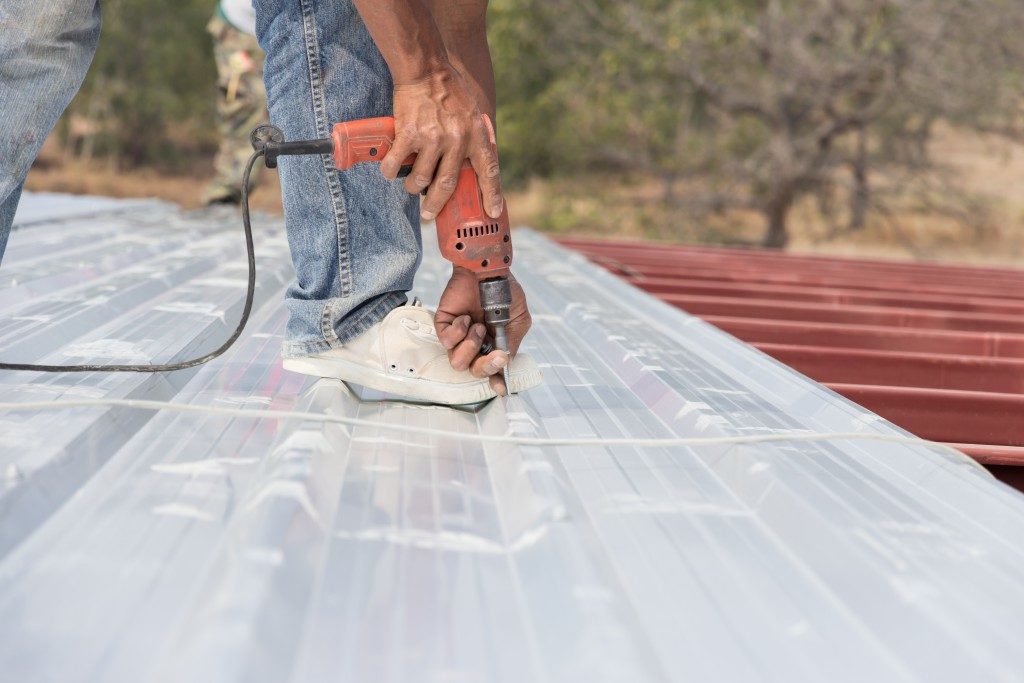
[
  {"x": 41, "y": 207},
  {"x": 139, "y": 545}
]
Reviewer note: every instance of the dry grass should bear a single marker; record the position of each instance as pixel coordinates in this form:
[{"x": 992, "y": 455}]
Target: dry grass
[
  {"x": 992, "y": 170},
  {"x": 53, "y": 173}
]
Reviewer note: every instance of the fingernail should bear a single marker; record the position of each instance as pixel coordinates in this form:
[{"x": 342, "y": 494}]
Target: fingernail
[
  {"x": 499, "y": 362},
  {"x": 479, "y": 331},
  {"x": 426, "y": 215}
]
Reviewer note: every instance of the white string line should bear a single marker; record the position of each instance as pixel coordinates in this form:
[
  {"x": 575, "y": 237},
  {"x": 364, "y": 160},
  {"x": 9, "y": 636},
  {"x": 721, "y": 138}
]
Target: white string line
[{"x": 483, "y": 438}]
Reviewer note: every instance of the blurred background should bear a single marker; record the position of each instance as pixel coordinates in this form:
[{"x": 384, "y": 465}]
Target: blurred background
[{"x": 880, "y": 127}]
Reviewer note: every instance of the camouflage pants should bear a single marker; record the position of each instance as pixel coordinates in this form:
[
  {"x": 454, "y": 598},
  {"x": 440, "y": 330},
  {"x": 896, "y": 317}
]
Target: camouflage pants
[{"x": 241, "y": 106}]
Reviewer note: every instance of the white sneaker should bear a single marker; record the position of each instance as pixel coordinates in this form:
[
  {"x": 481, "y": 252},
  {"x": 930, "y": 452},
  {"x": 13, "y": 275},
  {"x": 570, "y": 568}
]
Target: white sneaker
[{"x": 402, "y": 355}]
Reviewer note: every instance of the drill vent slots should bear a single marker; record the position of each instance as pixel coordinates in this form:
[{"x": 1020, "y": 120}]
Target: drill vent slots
[{"x": 477, "y": 231}]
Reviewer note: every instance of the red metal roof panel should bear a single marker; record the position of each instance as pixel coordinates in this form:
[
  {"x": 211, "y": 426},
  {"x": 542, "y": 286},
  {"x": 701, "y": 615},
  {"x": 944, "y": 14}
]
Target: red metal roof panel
[
  {"x": 938, "y": 349},
  {"x": 985, "y": 344}
]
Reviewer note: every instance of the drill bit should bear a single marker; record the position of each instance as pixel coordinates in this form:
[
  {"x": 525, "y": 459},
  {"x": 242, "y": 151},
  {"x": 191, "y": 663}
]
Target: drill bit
[{"x": 501, "y": 343}]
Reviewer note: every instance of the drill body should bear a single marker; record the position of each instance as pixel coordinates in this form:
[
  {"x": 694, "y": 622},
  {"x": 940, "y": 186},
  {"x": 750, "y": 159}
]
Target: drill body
[{"x": 467, "y": 236}]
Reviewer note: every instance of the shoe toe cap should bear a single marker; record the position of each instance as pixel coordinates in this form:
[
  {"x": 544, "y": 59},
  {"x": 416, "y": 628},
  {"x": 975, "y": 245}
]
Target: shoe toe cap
[{"x": 523, "y": 373}]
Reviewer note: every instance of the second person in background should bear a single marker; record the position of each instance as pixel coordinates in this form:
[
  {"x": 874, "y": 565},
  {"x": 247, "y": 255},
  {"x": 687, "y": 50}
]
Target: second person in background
[{"x": 241, "y": 96}]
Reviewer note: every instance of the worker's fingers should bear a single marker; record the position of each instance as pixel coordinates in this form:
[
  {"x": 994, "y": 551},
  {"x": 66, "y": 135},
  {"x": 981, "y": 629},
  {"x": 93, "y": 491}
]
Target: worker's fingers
[
  {"x": 519, "y": 321},
  {"x": 516, "y": 330},
  {"x": 484, "y": 157},
  {"x": 447, "y": 177},
  {"x": 497, "y": 383},
  {"x": 451, "y": 330},
  {"x": 463, "y": 355},
  {"x": 425, "y": 166},
  {"x": 489, "y": 365},
  {"x": 405, "y": 144}
]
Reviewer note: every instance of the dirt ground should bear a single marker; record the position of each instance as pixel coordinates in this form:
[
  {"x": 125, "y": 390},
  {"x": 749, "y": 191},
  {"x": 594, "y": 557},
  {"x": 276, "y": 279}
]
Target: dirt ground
[
  {"x": 992, "y": 170},
  {"x": 54, "y": 173},
  {"x": 991, "y": 229}
]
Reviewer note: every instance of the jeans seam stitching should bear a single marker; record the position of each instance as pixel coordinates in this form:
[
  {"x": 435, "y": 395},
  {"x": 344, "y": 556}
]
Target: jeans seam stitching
[
  {"x": 292, "y": 349},
  {"x": 326, "y": 324},
  {"x": 320, "y": 120}
]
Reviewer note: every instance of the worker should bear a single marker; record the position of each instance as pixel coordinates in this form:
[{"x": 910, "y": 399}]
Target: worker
[
  {"x": 354, "y": 235},
  {"x": 241, "y": 97}
]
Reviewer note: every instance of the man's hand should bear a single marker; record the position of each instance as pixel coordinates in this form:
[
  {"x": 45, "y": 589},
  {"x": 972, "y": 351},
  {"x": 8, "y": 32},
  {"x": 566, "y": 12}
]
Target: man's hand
[
  {"x": 459, "y": 325},
  {"x": 436, "y": 114},
  {"x": 438, "y": 119}
]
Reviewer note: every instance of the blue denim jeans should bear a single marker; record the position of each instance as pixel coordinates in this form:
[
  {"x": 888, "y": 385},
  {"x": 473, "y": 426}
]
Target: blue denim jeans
[
  {"x": 45, "y": 49},
  {"x": 354, "y": 236}
]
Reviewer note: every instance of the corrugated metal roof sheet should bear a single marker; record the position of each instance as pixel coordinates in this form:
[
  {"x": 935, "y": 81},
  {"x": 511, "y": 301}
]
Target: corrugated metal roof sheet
[
  {"x": 165, "y": 546},
  {"x": 936, "y": 348}
]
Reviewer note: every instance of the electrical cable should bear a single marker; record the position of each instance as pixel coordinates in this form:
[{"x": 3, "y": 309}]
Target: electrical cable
[
  {"x": 183, "y": 365},
  {"x": 486, "y": 438}
]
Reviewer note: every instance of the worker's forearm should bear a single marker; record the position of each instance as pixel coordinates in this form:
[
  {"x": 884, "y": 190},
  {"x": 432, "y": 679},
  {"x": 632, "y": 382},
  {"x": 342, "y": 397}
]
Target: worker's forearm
[
  {"x": 475, "y": 64},
  {"x": 407, "y": 37},
  {"x": 463, "y": 28},
  {"x": 438, "y": 106}
]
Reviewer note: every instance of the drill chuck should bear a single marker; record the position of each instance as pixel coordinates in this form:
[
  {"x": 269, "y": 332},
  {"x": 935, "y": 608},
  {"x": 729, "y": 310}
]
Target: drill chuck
[{"x": 496, "y": 302}]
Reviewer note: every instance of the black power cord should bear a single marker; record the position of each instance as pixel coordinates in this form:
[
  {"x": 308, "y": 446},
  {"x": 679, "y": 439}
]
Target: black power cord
[
  {"x": 272, "y": 136},
  {"x": 268, "y": 142}
]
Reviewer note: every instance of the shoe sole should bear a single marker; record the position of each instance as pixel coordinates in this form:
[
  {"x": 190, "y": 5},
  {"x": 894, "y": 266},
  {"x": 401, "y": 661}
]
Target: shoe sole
[{"x": 406, "y": 387}]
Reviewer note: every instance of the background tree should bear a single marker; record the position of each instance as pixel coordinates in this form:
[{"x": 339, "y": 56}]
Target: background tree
[
  {"x": 772, "y": 100},
  {"x": 148, "y": 98}
]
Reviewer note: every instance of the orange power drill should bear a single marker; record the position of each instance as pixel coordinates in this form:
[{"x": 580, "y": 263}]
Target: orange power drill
[{"x": 468, "y": 237}]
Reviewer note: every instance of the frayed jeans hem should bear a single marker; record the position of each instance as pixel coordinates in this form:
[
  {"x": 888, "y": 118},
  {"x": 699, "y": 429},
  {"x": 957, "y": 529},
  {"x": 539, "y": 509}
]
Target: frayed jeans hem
[{"x": 346, "y": 330}]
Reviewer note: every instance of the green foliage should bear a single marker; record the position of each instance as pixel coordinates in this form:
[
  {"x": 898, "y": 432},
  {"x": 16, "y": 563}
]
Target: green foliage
[
  {"x": 150, "y": 89},
  {"x": 575, "y": 97},
  {"x": 765, "y": 101},
  {"x": 531, "y": 94}
]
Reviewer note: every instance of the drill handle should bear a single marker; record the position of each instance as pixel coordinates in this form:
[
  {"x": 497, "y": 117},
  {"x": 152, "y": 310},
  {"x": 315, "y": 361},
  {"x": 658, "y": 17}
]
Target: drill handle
[{"x": 364, "y": 140}]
